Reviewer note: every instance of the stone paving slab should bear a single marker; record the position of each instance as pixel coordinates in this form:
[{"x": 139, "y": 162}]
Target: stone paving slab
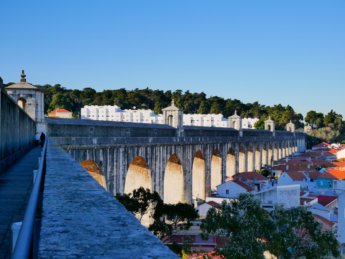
[{"x": 15, "y": 189}]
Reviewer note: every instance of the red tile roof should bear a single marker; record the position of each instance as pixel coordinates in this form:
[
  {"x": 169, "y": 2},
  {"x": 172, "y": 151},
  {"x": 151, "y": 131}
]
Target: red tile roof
[
  {"x": 326, "y": 176},
  {"x": 306, "y": 199},
  {"x": 214, "y": 204},
  {"x": 321, "y": 145},
  {"x": 325, "y": 200},
  {"x": 296, "y": 175},
  {"x": 250, "y": 176},
  {"x": 313, "y": 174},
  {"x": 242, "y": 184}
]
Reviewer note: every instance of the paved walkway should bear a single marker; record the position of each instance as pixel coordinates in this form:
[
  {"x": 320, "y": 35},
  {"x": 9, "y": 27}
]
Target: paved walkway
[{"x": 15, "y": 189}]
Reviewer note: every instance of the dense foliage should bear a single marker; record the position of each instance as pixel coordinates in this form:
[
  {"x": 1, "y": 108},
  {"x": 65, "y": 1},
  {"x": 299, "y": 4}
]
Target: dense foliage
[
  {"x": 166, "y": 217},
  {"x": 57, "y": 96},
  {"x": 285, "y": 233}
]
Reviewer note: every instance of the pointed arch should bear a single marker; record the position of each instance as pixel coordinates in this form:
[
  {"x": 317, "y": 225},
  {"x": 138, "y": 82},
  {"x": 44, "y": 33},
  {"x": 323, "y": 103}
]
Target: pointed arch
[
  {"x": 231, "y": 163},
  {"x": 258, "y": 157},
  {"x": 264, "y": 155},
  {"x": 173, "y": 186},
  {"x": 250, "y": 159},
  {"x": 198, "y": 177},
  {"x": 216, "y": 169},
  {"x": 138, "y": 175},
  {"x": 242, "y": 160},
  {"x": 95, "y": 171}
]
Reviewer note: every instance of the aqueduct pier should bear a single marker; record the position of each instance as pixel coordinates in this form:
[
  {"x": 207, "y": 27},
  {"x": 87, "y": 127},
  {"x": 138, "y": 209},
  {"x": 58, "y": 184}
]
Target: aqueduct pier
[{"x": 179, "y": 165}]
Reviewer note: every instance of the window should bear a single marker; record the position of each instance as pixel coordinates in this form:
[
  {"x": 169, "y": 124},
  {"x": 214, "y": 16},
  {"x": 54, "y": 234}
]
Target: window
[
  {"x": 227, "y": 191},
  {"x": 21, "y": 102}
]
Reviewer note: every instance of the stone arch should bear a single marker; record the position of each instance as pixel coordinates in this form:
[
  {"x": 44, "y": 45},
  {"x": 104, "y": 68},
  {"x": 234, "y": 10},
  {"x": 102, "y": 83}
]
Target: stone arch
[
  {"x": 231, "y": 163},
  {"x": 264, "y": 156},
  {"x": 173, "y": 186},
  {"x": 216, "y": 169},
  {"x": 138, "y": 175},
  {"x": 21, "y": 102},
  {"x": 242, "y": 160},
  {"x": 270, "y": 154},
  {"x": 250, "y": 158},
  {"x": 170, "y": 120},
  {"x": 275, "y": 152},
  {"x": 198, "y": 177},
  {"x": 258, "y": 159},
  {"x": 95, "y": 171},
  {"x": 283, "y": 150}
]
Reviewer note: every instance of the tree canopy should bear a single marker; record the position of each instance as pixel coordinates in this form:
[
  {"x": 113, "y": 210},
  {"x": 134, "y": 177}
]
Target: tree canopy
[
  {"x": 57, "y": 96},
  {"x": 286, "y": 233},
  {"x": 166, "y": 217}
]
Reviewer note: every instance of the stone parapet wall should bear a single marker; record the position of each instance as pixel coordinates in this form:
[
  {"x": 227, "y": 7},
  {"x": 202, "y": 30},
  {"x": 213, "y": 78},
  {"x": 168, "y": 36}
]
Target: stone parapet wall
[
  {"x": 82, "y": 220},
  {"x": 17, "y": 131}
]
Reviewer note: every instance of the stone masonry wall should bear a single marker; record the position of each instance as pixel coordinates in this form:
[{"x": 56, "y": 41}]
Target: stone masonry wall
[{"x": 17, "y": 131}]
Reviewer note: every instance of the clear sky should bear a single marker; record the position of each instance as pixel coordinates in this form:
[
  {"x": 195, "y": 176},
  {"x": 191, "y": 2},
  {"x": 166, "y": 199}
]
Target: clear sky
[{"x": 288, "y": 51}]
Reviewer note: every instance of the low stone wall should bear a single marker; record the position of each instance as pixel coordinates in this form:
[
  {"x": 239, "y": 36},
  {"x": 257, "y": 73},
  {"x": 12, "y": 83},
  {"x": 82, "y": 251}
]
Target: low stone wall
[
  {"x": 81, "y": 219},
  {"x": 17, "y": 131}
]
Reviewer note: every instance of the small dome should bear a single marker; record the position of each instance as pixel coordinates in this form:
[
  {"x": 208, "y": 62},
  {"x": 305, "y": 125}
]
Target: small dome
[{"x": 22, "y": 84}]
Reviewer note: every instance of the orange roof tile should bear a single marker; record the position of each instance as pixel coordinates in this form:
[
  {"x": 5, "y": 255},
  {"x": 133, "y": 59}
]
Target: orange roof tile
[
  {"x": 61, "y": 110},
  {"x": 337, "y": 172},
  {"x": 338, "y": 163}
]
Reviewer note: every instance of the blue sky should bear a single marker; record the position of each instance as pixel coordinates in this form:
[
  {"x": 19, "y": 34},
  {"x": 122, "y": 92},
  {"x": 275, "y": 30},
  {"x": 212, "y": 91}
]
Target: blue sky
[{"x": 288, "y": 52}]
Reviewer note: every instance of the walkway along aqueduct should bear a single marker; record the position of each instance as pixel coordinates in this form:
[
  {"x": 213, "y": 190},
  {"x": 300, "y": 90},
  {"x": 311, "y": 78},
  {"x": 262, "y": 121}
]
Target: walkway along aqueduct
[{"x": 180, "y": 163}]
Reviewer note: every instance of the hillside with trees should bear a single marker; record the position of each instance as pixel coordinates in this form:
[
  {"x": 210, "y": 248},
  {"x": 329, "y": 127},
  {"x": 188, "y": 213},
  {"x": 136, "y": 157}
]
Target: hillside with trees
[{"x": 330, "y": 127}]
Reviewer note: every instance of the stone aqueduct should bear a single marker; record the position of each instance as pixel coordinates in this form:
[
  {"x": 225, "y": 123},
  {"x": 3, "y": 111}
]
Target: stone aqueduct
[{"x": 180, "y": 163}]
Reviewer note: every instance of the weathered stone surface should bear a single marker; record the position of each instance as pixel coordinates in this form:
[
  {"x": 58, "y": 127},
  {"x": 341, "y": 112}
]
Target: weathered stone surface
[
  {"x": 81, "y": 219},
  {"x": 17, "y": 131}
]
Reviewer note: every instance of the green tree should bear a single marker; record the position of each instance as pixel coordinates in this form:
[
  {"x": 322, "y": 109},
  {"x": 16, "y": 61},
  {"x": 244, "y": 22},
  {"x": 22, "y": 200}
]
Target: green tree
[
  {"x": 250, "y": 231},
  {"x": 244, "y": 223},
  {"x": 139, "y": 201},
  {"x": 296, "y": 234},
  {"x": 180, "y": 214}
]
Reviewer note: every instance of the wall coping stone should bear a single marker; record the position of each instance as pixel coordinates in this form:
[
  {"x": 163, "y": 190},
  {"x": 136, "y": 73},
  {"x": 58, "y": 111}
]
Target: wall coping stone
[{"x": 81, "y": 219}]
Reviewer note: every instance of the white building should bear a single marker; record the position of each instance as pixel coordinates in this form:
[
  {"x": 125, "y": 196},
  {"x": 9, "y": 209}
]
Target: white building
[
  {"x": 286, "y": 195},
  {"x": 232, "y": 189},
  {"x": 205, "y": 207},
  {"x": 115, "y": 113},
  {"x": 206, "y": 120}
]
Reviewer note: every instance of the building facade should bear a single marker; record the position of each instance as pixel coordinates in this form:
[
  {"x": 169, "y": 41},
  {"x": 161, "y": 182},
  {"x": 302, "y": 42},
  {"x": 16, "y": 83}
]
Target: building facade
[{"x": 115, "y": 113}]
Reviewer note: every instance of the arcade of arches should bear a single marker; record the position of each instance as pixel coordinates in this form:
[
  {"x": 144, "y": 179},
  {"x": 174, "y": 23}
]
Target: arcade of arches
[{"x": 178, "y": 174}]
